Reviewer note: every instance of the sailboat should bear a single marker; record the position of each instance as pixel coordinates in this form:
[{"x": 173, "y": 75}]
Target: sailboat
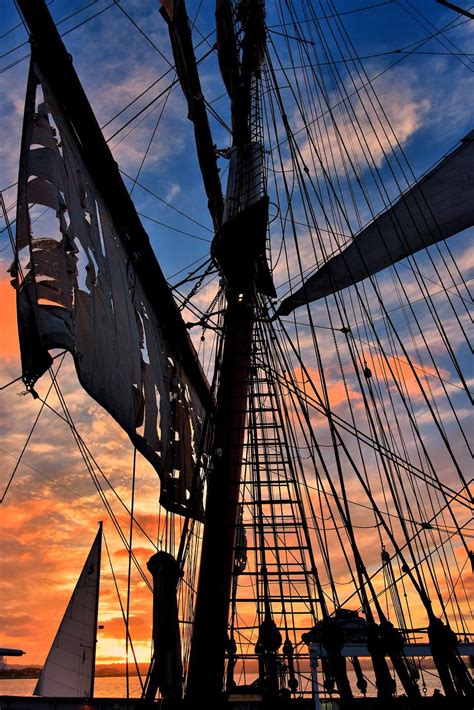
[
  {"x": 69, "y": 667},
  {"x": 314, "y": 501}
]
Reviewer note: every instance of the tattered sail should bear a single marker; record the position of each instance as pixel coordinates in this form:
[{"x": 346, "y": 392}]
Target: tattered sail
[
  {"x": 88, "y": 282},
  {"x": 439, "y": 205},
  {"x": 69, "y": 667}
]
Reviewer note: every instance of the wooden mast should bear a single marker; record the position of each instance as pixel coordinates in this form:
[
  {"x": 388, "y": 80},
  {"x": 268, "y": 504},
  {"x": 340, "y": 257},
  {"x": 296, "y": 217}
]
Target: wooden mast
[{"x": 238, "y": 249}]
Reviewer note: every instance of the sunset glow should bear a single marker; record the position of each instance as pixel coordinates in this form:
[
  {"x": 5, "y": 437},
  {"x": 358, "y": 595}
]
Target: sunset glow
[{"x": 395, "y": 393}]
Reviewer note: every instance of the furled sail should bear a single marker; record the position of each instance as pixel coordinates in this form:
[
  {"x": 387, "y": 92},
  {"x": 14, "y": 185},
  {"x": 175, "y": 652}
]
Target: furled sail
[
  {"x": 439, "y": 205},
  {"x": 174, "y": 12},
  {"x": 69, "y": 668},
  {"x": 88, "y": 282}
]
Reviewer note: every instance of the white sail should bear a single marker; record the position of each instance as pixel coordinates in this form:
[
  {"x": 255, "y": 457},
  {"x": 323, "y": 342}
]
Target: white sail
[{"x": 69, "y": 667}]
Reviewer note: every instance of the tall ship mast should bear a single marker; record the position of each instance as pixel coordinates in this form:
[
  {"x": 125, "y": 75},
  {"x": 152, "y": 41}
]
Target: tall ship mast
[{"x": 314, "y": 514}]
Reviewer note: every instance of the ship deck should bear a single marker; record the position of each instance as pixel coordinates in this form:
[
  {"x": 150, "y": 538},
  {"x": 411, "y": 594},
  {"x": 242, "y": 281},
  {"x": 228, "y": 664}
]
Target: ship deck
[{"x": 11, "y": 702}]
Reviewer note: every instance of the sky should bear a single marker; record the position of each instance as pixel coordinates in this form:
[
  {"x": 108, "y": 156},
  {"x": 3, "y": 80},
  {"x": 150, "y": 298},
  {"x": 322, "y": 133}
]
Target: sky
[{"x": 50, "y": 513}]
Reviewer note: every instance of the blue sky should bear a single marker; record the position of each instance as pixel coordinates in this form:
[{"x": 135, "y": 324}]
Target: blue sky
[{"x": 115, "y": 63}]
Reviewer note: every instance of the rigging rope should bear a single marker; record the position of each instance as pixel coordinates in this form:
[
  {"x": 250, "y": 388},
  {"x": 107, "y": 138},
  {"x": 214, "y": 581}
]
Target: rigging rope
[
  {"x": 122, "y": 610},
  {"x": 33, "y": 427}
]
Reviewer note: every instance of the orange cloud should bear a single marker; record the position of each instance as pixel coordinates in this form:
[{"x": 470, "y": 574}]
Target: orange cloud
[
  {"x": 9, "y": 347},
  {"x": 390, "y": 372},
  {"x": 140, "y": 627},
  {"x": 310, "y": 382},
  {"x": 394, "y": 369}
]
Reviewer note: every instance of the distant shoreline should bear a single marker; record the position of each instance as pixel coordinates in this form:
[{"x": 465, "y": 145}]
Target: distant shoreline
[
  {"x": 118, "y": 670},
  {"x": 17, "y": 673},
  {"x": 33, "y": 673}
]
